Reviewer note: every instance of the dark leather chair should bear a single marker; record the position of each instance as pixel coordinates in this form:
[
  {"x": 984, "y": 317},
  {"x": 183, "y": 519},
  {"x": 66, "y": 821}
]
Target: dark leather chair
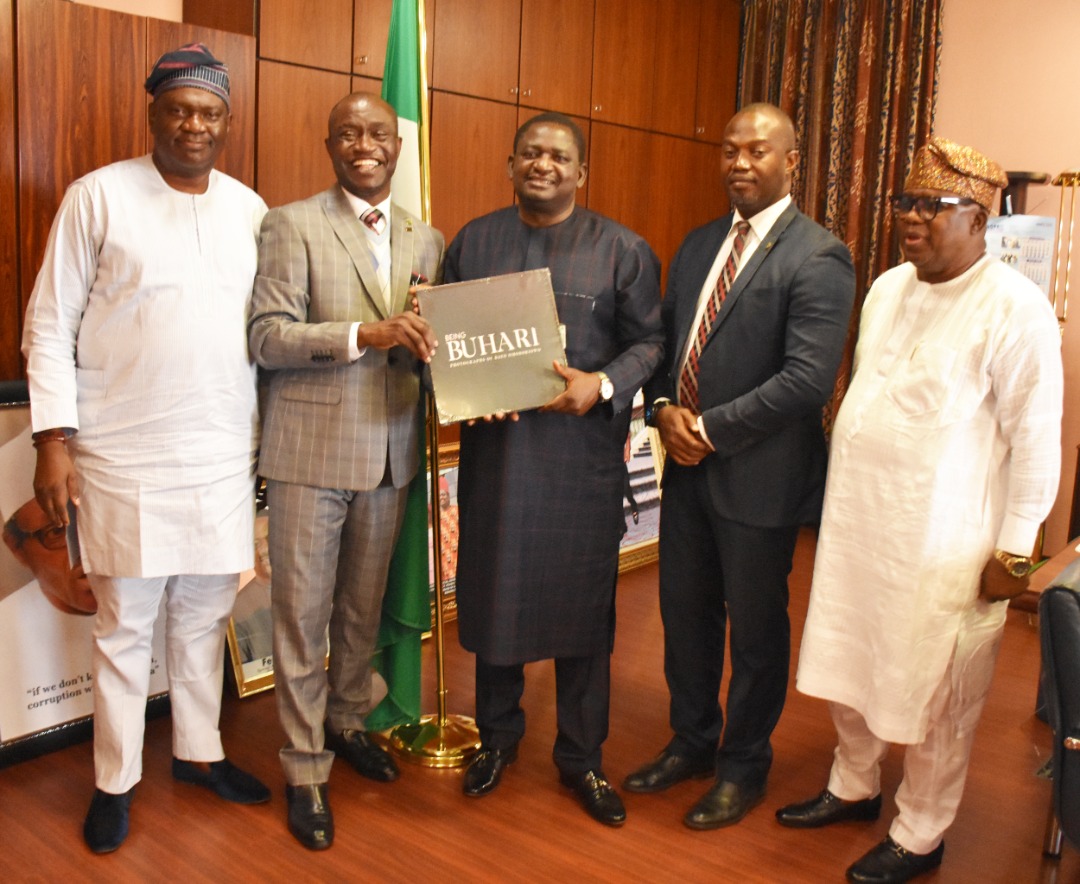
[{"x": 1059, "y": 628}]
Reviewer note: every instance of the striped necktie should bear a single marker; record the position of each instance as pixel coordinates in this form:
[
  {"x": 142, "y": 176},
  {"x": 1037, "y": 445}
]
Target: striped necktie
[
  {"x": 375, "y": 221},
  {"x": 688, "y": 379}
]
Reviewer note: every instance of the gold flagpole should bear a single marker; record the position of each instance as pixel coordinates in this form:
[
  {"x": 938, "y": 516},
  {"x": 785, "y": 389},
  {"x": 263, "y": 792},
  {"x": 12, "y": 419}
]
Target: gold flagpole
[{"x": 438, "y": 740}]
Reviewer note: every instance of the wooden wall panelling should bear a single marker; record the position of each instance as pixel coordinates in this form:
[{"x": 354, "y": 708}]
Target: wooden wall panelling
[
  {"x": 718, "y": 67},
  {"x": 238, "y": 52},
  {"x": 645, "y": 63},
  {"x": 315, "y": 33},
  {"x": 624, "y": 58},
  {"x": 470, "y": 141},
  {"x": 674, "y": 90},
  {"x": 658, "y": 185},
  {"x": 556, "y": 55},
  {"x": 234, "y": 16},
  {"x": 294, "y": 105},
  {"x": 524, "y": 113},
  {"x": 371, "y": 23},
  {"x": 10, "y": 302},
  {"x": 81, "y": 105},
  {"x": 477, "y": 44}
]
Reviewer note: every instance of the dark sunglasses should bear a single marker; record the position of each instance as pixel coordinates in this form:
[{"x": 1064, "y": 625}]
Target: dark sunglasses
[{"x": 926, "y": 207}]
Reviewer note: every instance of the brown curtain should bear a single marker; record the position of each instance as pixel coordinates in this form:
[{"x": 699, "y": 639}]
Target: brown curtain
[{"x": 859, "y": 79}]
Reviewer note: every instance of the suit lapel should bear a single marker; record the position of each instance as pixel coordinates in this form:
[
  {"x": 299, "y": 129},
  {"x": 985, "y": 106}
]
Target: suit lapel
[
  {"x": 687, "y": 309},
  {"x": 352, "y": 237},
  {"x": 402, "y": 260},
  {"x": 746, "y": 274}
]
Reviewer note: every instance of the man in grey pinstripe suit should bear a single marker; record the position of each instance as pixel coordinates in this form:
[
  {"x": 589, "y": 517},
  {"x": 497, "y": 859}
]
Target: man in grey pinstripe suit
[{"x": 339, "y": 347}]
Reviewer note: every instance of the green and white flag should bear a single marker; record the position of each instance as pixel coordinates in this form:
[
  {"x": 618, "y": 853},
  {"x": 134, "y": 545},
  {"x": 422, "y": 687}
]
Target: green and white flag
[{"x": 403, "y": 87}]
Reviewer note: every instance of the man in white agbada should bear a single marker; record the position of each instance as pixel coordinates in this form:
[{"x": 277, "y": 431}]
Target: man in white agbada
[
  {"x": 144, "y": 410},
  {"x": 944, "y": 462}
]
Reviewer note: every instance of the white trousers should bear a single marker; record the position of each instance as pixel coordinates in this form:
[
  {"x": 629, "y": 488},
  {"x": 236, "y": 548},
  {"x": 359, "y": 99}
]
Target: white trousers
[
  {"x": 197, "y": 612},
  {"x": 935, "y": 769}
]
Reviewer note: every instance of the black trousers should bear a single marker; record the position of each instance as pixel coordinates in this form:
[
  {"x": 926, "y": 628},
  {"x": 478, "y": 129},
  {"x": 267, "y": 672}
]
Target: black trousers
[
  {"x": 714, "y": 573},
  {"x": 582, "y": 692}
]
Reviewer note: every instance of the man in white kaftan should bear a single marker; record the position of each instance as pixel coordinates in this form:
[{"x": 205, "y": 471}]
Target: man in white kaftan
[
  {"x": 944, "y": 462},
  {"x": 138, "y": 365}
]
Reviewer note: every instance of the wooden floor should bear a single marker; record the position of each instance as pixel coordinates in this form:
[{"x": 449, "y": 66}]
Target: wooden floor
[{"x": 422, "y": 827}]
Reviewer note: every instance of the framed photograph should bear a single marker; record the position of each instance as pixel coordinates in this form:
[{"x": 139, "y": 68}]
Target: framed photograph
[
  {"x": 644, "y": 457},
  {"x": 250, "y": 635},
  {"x": 448, "y": 524}
]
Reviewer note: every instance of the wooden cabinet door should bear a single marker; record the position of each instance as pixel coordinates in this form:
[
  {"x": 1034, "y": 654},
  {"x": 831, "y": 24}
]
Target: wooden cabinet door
[
  {"x": 556, "y": 55},
  {"x": 477, "y": 47},
  {"x": 470, "y": 142},
  {"x": 315, "y": 33},
  {"x": 75, "y": 112},
  {"x": 718, "y": 67},
  {"x": 645, "y": 63},
  {"x": 660, "y": 186},
  {"x": 238, "y": 53},
  {"x": 294, "y": 106},
  {"x": 372, "y": 27}
]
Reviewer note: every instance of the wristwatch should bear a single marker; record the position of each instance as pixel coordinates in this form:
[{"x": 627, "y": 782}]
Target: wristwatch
[
  {"x": 607, "y": 389},
  {"x": 1017, "y": 566},
  {"x": 653, "y": 409}
]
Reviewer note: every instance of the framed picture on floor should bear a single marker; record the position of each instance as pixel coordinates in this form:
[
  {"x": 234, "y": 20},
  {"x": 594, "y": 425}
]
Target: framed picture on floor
[
  {"x": 644, "y": 458},
  {"x": 447, "y": 507}
]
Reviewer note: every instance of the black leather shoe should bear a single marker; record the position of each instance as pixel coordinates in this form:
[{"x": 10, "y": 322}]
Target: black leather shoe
[
  {"x": 723, "y": 805},
  {"x": 485, "y": 770},
  {"x": 369, "y": 759},
  {"x": 597, "y": 796},
  {"x": 225, "y": 779},
  {"x": 666, "y": 770},
  {"x": 826, "y": 809},
  {"x": 310, "y": 820},
  {"x": 889, "y": 863},
  {"x": 106, "y": 824}
]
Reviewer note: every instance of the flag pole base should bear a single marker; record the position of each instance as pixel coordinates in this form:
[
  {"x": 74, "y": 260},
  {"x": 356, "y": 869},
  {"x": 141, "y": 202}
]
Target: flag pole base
[{"x": 451, "y": 743}]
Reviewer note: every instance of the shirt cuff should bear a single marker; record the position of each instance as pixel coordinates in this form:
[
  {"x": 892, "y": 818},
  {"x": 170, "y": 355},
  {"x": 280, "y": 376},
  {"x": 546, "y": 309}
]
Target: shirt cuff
[
  {"x": 354, "y": 351},
  {"x": 1017, "y": 536},
  {"x": 701, "y": 432}
]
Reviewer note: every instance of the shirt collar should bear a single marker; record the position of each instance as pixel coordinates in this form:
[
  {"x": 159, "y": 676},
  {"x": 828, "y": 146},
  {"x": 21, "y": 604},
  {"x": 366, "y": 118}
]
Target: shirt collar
[
  {"x": 762, "y": 222},
  {"x": 359, "y": 206}
]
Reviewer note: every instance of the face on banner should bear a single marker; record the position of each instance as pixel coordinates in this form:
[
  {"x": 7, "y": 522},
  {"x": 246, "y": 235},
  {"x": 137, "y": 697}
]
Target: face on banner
[
  {"x": 46, "y": 633},
  {"x": 43, "y": 549}
]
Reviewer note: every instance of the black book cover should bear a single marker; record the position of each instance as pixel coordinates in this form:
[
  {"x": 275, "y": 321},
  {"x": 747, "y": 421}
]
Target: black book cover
[{"x": 497, "y": 339}]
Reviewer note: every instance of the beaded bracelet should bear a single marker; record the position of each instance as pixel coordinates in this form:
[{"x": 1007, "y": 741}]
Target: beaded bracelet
[{"x": 54, "y": 435}]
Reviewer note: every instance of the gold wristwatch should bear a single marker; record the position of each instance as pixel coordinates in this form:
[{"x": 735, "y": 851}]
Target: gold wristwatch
[
  {"x": 607, "y": 389},
  {"x": 1017, "y": 566}
]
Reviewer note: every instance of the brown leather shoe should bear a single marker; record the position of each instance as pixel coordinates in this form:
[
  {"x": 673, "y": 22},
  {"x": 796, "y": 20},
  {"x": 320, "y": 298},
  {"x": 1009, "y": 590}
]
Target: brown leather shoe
[
  {"x": 310, "y": 820},
  {"x": 826, "y": 809},
  {"x": 666, "y": 770},
  {"x": 597, "y": 796},
  {"x": 367, "y": 758},
  {"x": 723, "y": 805},
  {"x": 889, "y": 863}
]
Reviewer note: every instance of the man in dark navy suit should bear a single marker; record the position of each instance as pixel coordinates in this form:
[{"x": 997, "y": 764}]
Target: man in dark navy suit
[{"x": 756, "y": 315}]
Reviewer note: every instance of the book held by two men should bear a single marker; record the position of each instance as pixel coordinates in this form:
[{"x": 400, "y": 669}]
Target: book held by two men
[{"x": 498, "y": 337}]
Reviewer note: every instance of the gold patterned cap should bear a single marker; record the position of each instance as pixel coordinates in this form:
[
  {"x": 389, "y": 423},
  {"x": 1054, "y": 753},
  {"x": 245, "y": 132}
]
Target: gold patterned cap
[{"x": 941, "y": 164}]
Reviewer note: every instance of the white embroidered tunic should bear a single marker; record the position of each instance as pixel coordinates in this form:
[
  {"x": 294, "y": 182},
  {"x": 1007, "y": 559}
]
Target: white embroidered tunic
[
  {"x": 136, "y": 336},
  {"x": 946, "y": 447}
]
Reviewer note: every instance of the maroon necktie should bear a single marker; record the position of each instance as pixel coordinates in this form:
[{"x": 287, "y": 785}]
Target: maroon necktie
[
  {"x": 375, "y": 220},
  {"x": 688, "y": 379}
]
